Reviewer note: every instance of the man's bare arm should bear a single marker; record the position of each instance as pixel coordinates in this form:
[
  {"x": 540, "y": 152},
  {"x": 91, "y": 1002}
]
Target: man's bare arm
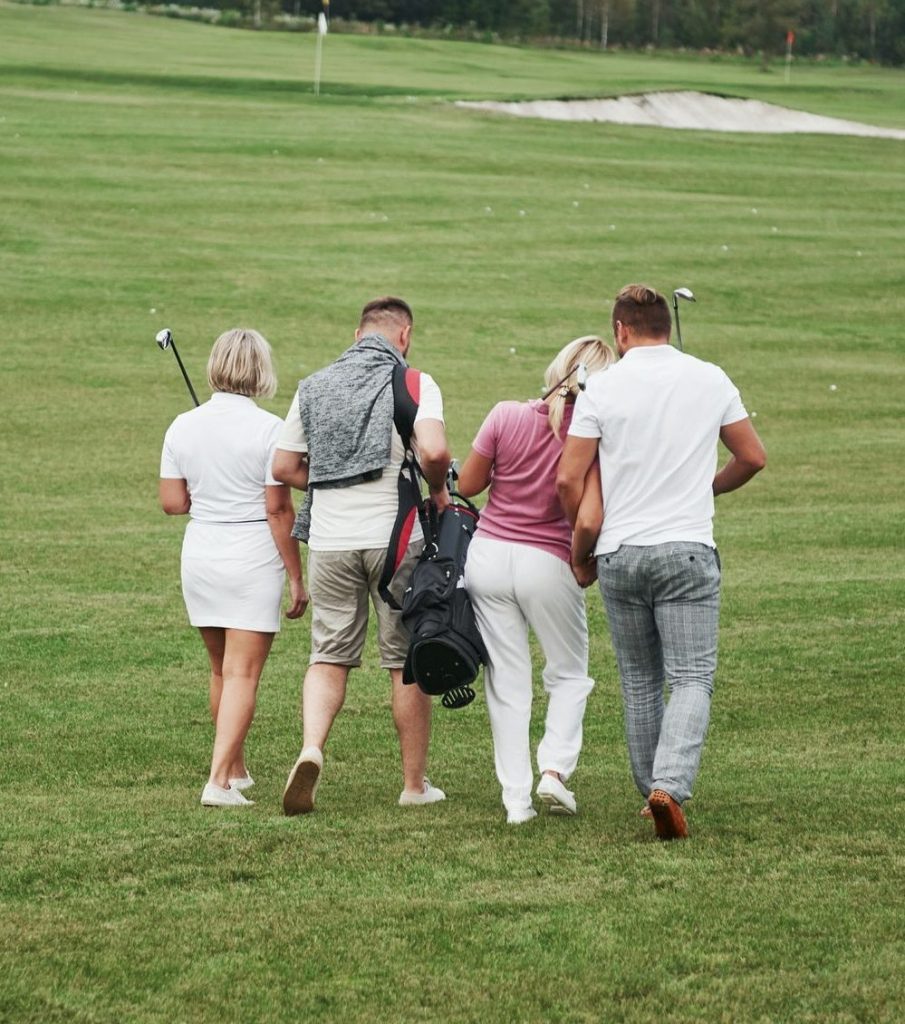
[
  {"x": 589, "y": 518},
  {"x": 578, "y": 455},
  {"x": 433, "y": 457},
  {"x": 748, "y": 456},
  {"x": 291, "y": 468}
]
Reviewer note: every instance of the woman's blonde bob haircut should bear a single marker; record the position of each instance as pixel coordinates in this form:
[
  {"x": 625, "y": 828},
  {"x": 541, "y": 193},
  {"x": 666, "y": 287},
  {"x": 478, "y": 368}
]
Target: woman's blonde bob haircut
[
  {"x": 594, "y": 352},
  {"x": 241, "y": 364}
]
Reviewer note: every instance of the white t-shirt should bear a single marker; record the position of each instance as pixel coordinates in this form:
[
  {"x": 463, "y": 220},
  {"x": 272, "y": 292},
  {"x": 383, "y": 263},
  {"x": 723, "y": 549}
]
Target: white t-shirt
[
  {"x": 658, "y": 415},
  {"x": 223, "y": 451},
  {"x": 359, "y": 517}
]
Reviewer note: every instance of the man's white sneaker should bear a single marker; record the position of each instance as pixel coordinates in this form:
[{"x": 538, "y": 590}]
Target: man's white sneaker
[
  {"x": 245, "y": 782},
  {"x": 520, "y": 815},
  {"x": 555, "y": 795},
  {"x": 429, "y": 795},
  {"x": 217, "y": 796},
  {"x": 298, "y": 796}
]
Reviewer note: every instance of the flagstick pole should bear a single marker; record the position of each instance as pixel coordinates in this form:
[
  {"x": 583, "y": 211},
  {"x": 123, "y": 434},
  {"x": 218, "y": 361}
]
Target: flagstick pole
[{"x": 788, "y": 75}]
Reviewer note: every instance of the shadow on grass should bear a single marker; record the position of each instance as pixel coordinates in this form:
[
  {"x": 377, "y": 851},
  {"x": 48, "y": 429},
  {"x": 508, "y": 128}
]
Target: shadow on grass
[{"x": 212, "y": 84}]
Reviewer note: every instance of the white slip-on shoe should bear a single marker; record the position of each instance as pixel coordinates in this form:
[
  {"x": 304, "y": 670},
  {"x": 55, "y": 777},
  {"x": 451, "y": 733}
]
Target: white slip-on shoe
[
  {"x": 555, "y": 795},
  {"x": 429, "y": 795},
  {"x": 216, "y": 796},
  {"x": 244, "y": 782},
  {"x": 298, "y": 796},
  {"x": 519, "y": 815}
]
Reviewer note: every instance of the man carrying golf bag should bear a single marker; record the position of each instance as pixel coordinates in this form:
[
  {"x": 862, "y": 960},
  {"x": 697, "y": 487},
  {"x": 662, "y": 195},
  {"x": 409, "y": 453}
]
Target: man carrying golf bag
[{"x": 341, "y": 445}]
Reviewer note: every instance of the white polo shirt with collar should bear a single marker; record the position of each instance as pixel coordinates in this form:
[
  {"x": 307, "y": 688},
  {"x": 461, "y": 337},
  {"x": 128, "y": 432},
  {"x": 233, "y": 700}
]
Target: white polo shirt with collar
[
  {"x": 657, "y": 414},
  {"x": 223, "y": 450}
]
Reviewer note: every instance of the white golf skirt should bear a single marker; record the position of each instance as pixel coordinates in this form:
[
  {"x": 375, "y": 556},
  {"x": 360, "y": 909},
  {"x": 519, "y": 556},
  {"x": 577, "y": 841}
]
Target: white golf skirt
[{"x": 232, "y": 576}]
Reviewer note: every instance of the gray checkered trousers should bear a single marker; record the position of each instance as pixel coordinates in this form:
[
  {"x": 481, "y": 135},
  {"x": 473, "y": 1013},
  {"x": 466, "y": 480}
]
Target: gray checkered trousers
[{"x": 663, "y": 606}]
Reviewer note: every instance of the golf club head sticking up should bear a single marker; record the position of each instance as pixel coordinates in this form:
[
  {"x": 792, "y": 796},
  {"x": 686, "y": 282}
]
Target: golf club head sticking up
[
  {"x": 688, "y": 295},
  {"x": 164, "y": 341},
  {"x": 581, "y": 379}
]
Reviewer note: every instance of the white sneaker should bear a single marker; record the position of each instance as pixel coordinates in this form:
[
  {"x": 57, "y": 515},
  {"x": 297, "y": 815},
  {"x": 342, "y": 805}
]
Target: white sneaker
[
  {"x": 217, "y": 796},
  {"x": 520, "y": 815},
  {"x": 429, "y": 795},
  {"x": 245, "y": 782},
  {"x": 555, "y": 795},
  {"x": 298, "y": 796}
]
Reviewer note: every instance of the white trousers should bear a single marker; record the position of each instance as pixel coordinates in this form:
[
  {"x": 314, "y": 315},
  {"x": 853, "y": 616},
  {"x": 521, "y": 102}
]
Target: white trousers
[{"x": 512, "y": 587}]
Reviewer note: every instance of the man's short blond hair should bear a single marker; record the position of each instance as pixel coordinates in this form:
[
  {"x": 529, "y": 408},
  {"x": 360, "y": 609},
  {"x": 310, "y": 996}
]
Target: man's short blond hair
[
  {"x": 386, "y": 311},
  {"x": 241, "y": 364}
]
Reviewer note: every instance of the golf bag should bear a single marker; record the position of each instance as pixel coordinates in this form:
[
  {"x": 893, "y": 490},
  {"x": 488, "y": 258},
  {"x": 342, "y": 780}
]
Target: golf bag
[{"x": 446, "y": 650}]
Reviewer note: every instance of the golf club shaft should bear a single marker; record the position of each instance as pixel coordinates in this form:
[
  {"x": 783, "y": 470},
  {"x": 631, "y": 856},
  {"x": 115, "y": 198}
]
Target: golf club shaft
[
  {"x": 184, "y": 374},
  {"x": 675, "y": 306}
]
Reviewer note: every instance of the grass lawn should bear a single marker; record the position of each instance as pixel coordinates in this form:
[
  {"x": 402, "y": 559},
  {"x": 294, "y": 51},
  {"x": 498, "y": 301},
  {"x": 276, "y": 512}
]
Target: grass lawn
[{"x": 155, "y": 173}]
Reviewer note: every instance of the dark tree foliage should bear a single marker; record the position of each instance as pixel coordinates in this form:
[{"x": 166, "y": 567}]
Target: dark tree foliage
[{"x": 869, "y": 29}]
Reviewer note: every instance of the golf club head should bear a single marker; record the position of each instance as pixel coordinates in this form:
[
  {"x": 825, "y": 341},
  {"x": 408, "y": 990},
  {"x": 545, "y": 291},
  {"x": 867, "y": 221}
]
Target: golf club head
[
  {"x": 164, "y": 339},
  {"x": 581, "y": 376},
  {"x": 683, "y": 293}
]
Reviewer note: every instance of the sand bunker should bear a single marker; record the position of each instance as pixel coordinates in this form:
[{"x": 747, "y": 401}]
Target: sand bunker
[{"x": 695, "y": 110}]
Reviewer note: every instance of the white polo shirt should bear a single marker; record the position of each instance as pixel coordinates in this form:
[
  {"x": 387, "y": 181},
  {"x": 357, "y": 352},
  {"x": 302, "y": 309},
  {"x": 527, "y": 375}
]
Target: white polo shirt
[
  {"x": 658, "y": 414},
  {"x": 223, "y": 451},
  {"x": 359, "y": 517}
]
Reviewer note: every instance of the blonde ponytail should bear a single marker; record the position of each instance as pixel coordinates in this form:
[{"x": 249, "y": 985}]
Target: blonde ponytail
[{"x": 596, "y": 355}]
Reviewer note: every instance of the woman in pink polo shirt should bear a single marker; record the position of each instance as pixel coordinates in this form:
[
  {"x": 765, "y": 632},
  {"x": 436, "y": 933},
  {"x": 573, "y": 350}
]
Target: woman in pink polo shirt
[{"x": 518, "y": 574}]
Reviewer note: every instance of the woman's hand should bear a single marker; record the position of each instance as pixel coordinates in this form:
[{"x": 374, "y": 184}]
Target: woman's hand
[{"x": 299, "y": 598}]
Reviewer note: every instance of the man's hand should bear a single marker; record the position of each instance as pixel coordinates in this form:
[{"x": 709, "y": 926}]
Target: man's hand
[
  {"x": 585, "y": 572},
  {"x": 440, "y": 498}
]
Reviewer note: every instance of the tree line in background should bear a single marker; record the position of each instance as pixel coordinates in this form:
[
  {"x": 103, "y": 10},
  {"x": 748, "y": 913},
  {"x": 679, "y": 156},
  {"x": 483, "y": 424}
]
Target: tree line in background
[{"x": 863, "y": 29}]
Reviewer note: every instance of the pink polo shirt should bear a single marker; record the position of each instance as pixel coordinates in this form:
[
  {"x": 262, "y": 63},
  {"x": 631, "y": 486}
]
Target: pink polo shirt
[{"x": 523, "y": 507}]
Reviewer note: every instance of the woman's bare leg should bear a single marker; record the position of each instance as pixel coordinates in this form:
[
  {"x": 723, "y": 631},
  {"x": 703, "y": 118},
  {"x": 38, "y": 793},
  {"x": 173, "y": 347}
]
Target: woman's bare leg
[
  {"x": 214, "y": 638},
  {"x": 243, "y": 661}
]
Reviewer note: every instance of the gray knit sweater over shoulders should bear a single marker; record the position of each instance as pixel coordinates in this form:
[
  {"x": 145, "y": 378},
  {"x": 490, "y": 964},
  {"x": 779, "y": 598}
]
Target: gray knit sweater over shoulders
[{"x": 347, "y": 415}]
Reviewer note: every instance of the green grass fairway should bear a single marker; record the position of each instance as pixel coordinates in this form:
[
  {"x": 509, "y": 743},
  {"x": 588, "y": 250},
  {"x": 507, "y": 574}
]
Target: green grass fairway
[{"x": 155, "y": 173}]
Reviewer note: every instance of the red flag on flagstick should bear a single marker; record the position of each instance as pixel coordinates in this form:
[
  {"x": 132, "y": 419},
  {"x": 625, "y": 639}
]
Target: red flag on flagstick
[{"x": 790, "y": 37}]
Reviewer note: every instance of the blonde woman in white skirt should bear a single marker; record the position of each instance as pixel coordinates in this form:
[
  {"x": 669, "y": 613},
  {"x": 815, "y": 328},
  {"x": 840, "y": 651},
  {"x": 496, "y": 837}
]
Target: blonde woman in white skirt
[{"x": 237, "y": 549}]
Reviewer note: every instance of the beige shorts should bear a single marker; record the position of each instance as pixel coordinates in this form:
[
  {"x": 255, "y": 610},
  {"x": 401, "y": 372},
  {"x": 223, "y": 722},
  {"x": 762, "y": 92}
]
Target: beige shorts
[{"x": 339, "y": 584}]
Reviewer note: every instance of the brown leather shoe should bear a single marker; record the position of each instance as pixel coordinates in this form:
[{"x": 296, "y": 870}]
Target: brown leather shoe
[{"x": 669, "y": 819}]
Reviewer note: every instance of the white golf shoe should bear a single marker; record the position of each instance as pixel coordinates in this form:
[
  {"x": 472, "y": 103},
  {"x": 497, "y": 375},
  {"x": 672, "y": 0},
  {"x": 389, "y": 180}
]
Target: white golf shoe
[
  {"x": 217, "y": 796},
  {"x": 519, "y": 815},
  {"x": 429, "y": 795},
  {"x": 555, "y": 795}
]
